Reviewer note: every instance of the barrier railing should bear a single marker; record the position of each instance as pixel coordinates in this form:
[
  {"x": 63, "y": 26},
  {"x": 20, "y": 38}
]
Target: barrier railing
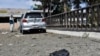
[{"x": 85, "y": 19}]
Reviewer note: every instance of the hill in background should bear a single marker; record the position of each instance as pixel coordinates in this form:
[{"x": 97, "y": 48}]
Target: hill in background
[{"x": 12, "y": 11}]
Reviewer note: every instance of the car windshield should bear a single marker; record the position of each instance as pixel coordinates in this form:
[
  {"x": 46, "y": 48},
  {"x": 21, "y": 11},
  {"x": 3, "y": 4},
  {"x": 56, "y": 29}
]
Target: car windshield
[{"x": 33, "y": 15}]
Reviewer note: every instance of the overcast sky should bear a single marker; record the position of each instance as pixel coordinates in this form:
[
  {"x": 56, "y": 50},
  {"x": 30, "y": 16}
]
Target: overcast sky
[{"x": 16, "y": 4}]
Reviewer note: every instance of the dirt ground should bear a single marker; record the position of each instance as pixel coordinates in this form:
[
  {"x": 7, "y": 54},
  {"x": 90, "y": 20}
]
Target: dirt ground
[
  {"x": 6, "y": 26},
  {"x": 42, "y": 44}
]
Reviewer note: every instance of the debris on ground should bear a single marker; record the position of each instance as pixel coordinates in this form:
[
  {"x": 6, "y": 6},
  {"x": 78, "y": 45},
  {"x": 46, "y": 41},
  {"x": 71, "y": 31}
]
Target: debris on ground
[
  {"x": 10, "y": 44},
  {"x": 34, "y": 38},
  {"x": 33, "y": 45},
  {"x": 19, "y": 35},
  {"x": 62, "y": 52},
  {"x": 4, "y": 33}
]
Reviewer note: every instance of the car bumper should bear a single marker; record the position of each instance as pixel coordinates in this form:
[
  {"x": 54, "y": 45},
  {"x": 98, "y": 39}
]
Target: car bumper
[{"x": 33, "y": 27}]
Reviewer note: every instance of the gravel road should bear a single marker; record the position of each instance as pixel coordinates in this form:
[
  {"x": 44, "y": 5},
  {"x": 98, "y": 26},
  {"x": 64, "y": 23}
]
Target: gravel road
[{"x": 41, "y": 44}]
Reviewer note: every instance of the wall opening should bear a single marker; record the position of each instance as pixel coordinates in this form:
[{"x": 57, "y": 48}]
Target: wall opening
[{"x": 6, "y": 20}]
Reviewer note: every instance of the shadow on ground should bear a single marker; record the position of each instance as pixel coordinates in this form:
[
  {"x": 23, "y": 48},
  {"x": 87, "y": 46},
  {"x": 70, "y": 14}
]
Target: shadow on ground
[{"x": 34, "y": 32}]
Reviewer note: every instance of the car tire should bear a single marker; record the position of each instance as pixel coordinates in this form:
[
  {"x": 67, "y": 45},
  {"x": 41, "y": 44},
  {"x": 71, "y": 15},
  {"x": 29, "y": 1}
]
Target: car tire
[
  {"x": 20, "y": 31},
  {"x": 43, "y": 30},
  {"x": 23, "y": 32}
]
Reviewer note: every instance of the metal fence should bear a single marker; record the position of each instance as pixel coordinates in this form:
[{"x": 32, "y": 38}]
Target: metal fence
[{"x": 85, "y": 19}]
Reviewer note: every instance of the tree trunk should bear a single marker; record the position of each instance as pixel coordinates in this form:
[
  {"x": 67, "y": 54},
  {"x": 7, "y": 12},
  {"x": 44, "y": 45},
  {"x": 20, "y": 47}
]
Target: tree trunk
[
  {"x": 44, "y": 12},
  {"x": 65, "y": 7}
]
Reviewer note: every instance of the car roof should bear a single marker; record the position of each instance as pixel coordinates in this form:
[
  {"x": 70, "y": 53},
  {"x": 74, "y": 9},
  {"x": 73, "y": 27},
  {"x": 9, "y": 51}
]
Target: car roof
[{"x": 36, "y": 11}]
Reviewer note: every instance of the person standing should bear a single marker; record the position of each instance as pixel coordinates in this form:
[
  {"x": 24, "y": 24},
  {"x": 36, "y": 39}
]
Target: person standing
[{"x": 11, "y": 21}]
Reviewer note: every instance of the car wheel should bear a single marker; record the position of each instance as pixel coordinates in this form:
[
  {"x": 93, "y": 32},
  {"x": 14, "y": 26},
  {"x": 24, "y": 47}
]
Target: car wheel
[
  {"x": 43, "y": 30},
  {"x": 20, "y": 31},
  {"x": 23, "y": 32}
]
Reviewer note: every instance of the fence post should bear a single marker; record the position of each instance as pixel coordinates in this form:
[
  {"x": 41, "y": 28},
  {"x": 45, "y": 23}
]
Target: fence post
[{"x": 98, "y": 17}]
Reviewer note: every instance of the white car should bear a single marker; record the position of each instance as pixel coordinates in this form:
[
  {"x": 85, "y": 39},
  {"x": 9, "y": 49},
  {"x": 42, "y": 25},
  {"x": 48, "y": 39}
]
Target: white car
[{"x": 32, "y": 20}]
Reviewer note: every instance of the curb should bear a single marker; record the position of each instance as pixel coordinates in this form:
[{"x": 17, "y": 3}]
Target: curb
[{"x": 94, "y": 35}]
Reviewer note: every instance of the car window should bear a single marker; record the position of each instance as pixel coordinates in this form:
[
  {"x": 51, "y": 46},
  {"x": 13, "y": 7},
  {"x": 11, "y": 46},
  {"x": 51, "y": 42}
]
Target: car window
[{"x": 33, "y": 15}]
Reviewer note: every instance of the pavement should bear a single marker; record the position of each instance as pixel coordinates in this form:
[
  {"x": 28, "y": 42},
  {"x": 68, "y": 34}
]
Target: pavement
[{"x": 81, "y": 34}]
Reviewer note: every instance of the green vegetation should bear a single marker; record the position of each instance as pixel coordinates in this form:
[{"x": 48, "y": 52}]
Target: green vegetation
[
  {"x": 61, "y": 6},
  {"x": 39, "y": 7},
  {"x": 64, "y": 5}
]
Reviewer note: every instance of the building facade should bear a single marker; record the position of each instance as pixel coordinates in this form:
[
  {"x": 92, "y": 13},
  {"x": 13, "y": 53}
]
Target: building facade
[{"x": 5, "y": 14}]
